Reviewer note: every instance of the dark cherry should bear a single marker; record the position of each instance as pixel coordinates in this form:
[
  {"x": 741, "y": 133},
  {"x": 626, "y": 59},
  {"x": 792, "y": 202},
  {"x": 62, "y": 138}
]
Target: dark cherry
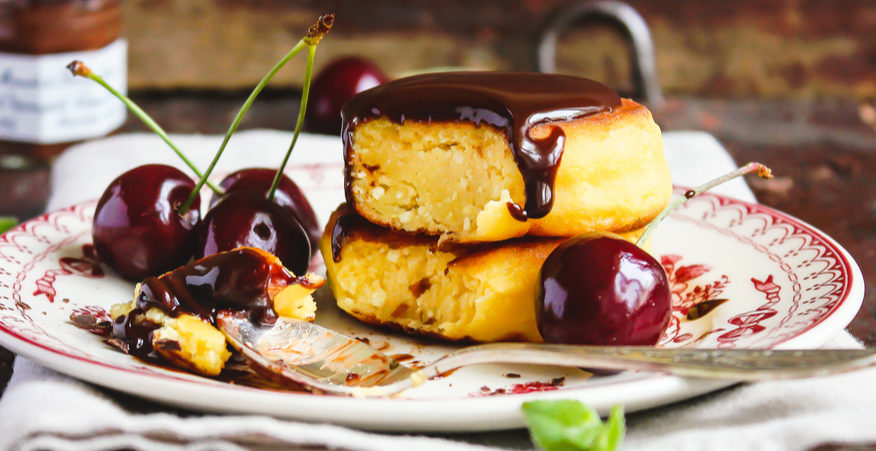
[
  {"x": 333, "y": 86},
  {"x": 137, "y": 230},
  {"x": 245, "y": 219},
  {"x": 258, "y": 181},
  {"x": 598, "y": 289}
]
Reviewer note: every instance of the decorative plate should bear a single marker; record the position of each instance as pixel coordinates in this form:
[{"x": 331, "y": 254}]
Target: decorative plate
[{"x": 786, "y": 285}]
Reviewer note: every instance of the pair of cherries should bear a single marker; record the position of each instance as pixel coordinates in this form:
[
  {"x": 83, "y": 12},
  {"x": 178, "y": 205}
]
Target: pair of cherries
[{"x": 139, "y": 232}]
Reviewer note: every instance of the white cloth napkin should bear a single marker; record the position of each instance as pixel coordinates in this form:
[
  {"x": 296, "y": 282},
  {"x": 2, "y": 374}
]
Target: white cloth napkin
[{"x": 42, "y": 409}]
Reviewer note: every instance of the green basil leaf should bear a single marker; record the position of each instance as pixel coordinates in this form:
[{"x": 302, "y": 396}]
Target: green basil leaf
[{"x": 568, "y": 425}]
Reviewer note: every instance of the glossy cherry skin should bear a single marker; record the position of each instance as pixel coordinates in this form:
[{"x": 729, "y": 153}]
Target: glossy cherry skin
[
  {"x": 289, "y": 195},
  {"x": 333, "y": 86},
  {"x": 137, "y": 230},
  {"x": 246, "y": 219},
  {"x": 598, "y": 289}
]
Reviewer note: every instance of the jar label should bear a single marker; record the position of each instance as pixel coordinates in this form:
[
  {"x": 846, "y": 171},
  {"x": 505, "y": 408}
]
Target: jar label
[{"x": 42, "y": 103}]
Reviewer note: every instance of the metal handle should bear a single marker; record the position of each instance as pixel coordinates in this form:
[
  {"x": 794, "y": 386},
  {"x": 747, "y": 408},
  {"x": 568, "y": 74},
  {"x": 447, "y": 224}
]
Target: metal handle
[
  {"x": 633, "y": 28},
  {"x": 729, "y": 364}
]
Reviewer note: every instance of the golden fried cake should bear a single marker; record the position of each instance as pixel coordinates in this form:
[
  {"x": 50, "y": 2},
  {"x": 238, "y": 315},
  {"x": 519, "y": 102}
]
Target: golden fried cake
[
  {"x": 185, "y": 341},
  {"x": 172, "y": 316},
  {"x": 476, "y": 157},
  {"x": 485, "y": 292}
]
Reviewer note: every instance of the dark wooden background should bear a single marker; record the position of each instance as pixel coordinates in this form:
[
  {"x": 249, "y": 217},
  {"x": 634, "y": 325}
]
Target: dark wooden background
[
  {"x": 743, "y": 48},
  {"x": 789, "y": 83}
]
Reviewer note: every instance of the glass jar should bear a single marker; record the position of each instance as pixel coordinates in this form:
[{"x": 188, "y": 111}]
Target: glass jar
[{"x": 43, "y": 108}]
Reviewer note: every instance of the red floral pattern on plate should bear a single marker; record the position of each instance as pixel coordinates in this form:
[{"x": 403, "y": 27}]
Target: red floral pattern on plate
[
  {"x": 686, "y": 295},
  {"x": 799, "y": 255},
  {"x": 86, "y": 266}
]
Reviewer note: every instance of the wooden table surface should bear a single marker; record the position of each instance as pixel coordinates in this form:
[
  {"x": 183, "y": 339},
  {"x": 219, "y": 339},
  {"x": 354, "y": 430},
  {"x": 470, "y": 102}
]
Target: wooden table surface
[{"x": 823, "y": 155}]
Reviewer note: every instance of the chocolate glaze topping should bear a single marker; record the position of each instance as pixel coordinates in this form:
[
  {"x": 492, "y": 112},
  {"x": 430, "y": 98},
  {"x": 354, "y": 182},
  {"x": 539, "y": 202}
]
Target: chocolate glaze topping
[
  {"x": 236, "y": 280},
  {"x": 511, "y": 102},
  {"x": 239, "y": 280},
  {"x": 347, "y": 220}
]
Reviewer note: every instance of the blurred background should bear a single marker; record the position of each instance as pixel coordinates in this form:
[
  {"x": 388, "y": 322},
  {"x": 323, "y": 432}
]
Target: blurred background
[
  {"x": 791, "y": 83},
  {"x": 804, "y": 50}
]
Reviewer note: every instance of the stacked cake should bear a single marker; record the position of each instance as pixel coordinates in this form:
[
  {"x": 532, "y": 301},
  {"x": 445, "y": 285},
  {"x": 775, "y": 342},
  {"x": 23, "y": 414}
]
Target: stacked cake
[{"x": 459, "y": 185}]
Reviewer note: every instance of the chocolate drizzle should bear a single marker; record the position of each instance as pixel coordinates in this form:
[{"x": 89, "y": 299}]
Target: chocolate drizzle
[
  {"x": 242, "y": 280},
  {"x": 237, "y": 280},
  {"x": 704, "y": 308},
  {"x": 511, "y": 102},
  {"x": 134, "y": 336},
  {"x": 346, "y": 221}
]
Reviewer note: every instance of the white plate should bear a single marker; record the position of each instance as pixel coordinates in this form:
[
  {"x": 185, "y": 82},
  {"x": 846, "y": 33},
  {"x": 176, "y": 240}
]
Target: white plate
[{"x": 788, "y": 285}]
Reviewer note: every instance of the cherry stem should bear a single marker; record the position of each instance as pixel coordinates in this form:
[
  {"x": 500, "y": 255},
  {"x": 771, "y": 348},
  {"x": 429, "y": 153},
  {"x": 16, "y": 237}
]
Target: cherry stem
[
  {"x": 318, "y": 30},
  {"x": 79, "y": 68},
  {"x": 762, "y": 171},
  {"x": 302, "y": 108},
  {"x": 236, "y": 122},
  {"x": 310, "y": 39}
]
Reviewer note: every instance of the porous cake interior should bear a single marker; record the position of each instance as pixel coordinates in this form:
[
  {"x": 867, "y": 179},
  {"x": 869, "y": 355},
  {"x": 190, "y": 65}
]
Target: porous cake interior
[
  {"x": 423, "y": 290},
  {"x": 432, "y": 177}
]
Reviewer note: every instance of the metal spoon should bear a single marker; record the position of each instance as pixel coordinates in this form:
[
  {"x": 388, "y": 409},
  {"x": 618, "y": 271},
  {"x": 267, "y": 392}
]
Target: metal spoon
[{"x": 330, "y": 362}]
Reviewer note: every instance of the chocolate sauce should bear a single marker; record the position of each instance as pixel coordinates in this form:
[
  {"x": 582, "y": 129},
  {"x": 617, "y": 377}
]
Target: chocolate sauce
[
  {"x": 88, "y": 265},
  {"x": 447, "y": 373},
  {"x": 136, "y": 335},
  {"x": 239, "y": 370},
  {"x": 237, "y": 280},
  {"x": 240, "y": 280},
  {"x": 347, "y": 220},
  {"x": 704, "y": 308},
  {"x": 402, "y": 357},
  {"x": 511, "y": 102},
  {"x": 516, "y": 212}
]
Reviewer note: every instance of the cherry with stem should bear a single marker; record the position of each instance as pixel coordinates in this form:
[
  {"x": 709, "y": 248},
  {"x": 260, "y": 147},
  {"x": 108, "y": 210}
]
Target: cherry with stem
[
  {"x": 288, "y": 195},
  {"x": 247, "y": 216},
  {"x": 137, "y": 228},
  {"x": 599, "y": 289},
  {"x": 78, "y": 68}
]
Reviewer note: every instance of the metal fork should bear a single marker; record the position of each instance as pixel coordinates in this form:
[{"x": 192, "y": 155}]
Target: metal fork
[{"x": 330, "y": 362}]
